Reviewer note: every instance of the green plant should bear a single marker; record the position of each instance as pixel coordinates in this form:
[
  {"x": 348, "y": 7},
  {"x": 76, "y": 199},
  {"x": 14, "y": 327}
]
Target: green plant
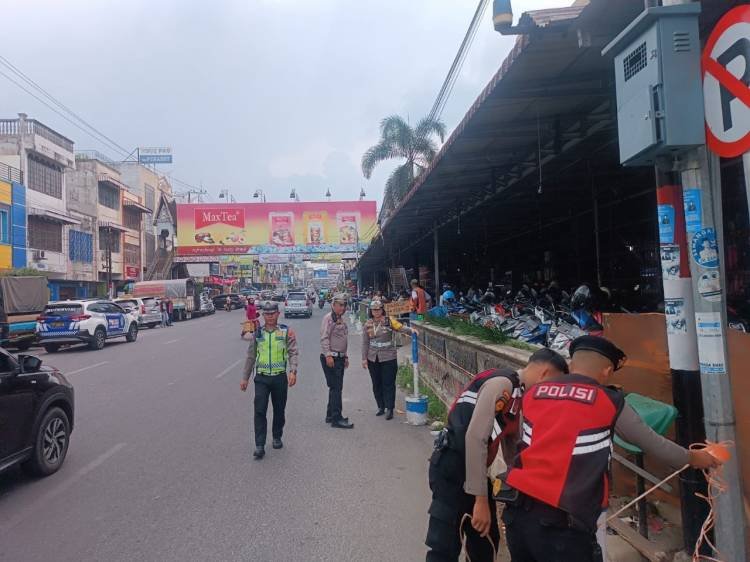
[
  {"x": 436, "y": 409},
  {"x": 465, "y": 328},
  {"x": 399, "y": 140}
]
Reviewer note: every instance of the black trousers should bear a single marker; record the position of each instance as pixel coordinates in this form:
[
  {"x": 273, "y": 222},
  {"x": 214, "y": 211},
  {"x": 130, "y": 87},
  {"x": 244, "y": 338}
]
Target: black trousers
[
  {"x": 383, "y": 375},
  {"x": 449, "y": 504},
  {"x": 535, "y": 536},
  {"x": 335, "y": 382},
  {"x": 276, "y": 387}
]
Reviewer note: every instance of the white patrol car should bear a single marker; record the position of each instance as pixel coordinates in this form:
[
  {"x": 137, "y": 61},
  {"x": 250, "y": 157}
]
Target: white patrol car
[{"x": 84, "y": 321}]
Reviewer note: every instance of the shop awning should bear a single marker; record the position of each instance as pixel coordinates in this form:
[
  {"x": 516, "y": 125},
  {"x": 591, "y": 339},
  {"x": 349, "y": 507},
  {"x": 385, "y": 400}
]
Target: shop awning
[
  {"x": 135, "y": 206},
  {"x": 51, "y": 216},
  {"x": 112, "y": 226},
  {"x": 114, "y": 182}
]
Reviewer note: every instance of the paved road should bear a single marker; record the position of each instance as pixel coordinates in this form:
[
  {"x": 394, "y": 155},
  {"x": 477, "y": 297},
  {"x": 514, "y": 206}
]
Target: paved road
[{"x": 159, "y": 466}]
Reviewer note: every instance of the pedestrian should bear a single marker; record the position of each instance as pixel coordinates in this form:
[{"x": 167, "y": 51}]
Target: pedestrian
[
  {"x": 418, "y": 300},
  {"x": 170, "y": 312},
  {"x": 272, "y": 352},
  {"x": 379, "y": 356},
  {"x": 560, "y": 479},
  {"x": 481, "y": 431},
  {"x": 334, "y": 335},
  {"x": 251, "y": 312},
  {"x": 163, "y": 311}
]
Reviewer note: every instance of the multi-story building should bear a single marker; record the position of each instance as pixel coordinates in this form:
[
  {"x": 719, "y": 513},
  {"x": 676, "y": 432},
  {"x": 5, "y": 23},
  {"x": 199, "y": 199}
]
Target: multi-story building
[
  {"x": 42, "y": 155},
  {"x": 132, "y": 219},
  {"x": 12, "y": 218}
]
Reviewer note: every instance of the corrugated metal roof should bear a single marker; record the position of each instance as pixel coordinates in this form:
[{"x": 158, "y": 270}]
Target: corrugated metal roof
[{"x": 543, "y": 18}]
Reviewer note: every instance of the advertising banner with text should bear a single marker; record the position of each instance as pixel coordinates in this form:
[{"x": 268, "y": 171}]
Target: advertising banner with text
[{"x": 274, "y": 228}]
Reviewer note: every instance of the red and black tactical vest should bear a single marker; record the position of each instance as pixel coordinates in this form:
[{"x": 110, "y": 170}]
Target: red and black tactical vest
[
  {"x": 506, "y": 420},
  {"x": 566, "y": 446}
]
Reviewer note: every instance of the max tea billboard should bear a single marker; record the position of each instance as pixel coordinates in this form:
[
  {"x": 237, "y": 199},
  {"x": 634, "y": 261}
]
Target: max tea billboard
[{"x": 274, "y": 228}]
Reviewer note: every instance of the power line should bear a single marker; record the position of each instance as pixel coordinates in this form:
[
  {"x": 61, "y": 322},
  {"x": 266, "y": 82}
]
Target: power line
[{"x": 447, "y": 87}]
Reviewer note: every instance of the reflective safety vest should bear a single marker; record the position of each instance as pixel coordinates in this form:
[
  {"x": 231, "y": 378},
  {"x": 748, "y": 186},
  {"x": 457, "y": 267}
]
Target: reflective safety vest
[
  {"x": 506, "y": 420},
  {"x": 270, "y": 350},
  {"x": 566, "y": 446}
]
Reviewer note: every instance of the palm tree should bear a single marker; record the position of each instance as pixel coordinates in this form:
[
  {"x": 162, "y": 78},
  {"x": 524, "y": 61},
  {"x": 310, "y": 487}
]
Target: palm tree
[{"x": 399, "y": 140}]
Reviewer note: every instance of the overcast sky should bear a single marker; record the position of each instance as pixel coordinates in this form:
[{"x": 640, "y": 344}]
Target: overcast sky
[{"x": 269, "y": 94}]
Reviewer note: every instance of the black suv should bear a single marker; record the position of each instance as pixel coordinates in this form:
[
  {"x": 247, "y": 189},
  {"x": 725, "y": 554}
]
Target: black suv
[
  {"x": 36, "y": 414},
  {"x": 220, "y": 301}
]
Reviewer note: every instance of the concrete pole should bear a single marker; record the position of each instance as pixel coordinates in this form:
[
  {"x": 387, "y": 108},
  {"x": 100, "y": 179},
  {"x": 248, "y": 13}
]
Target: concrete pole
[
  {"x": 701, "y": 182},
  {"x": 436, "y": 260}
]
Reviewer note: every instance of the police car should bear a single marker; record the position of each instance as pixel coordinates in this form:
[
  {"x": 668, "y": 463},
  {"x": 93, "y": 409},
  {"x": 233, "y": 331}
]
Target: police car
[{"x": 84, "y": 321}]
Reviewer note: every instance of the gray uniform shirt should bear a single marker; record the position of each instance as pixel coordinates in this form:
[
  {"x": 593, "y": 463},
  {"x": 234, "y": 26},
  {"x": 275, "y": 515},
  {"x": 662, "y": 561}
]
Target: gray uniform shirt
[
  {"x": 629, "y": 426},
  {"x": 333, "y": 335},
  {"x": 378, "y": 341}
]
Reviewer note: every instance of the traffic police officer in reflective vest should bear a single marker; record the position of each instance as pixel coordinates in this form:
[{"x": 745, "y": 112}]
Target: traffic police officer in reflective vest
[
  {"x": 272, "y": 352},
  {"x": 481, "y": 432},
  {"x": 560, "y": 481}
]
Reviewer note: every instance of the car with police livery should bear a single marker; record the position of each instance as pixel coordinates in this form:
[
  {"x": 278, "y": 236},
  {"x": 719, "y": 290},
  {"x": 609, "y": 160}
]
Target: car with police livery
[{"x": 92, "y": 322}]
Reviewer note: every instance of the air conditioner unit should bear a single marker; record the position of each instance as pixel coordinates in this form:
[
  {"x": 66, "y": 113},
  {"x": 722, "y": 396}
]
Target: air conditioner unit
[{"x": 39, "y": 255}]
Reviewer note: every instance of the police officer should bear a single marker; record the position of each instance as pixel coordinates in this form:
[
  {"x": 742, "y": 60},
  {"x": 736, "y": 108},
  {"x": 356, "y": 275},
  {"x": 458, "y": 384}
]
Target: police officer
[
  {"x": 482, "y": 424},
  {"x": 272, "y": 352},
  {"x": 561, "y": 474},
  {"x": 334, "y": 335}
]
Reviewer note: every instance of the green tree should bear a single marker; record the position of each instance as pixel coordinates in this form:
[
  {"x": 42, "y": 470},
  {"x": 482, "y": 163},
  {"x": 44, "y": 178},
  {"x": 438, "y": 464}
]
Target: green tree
[{"x": 398, "y": 140}]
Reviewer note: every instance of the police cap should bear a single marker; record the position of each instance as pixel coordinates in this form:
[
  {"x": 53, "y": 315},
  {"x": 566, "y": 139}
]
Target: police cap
[
  {"x": 376, "y": 304},
  {"x": 270, "y": 306},
  {"x": 601, "y": 346},
  {"x": 341, "y": 297}
]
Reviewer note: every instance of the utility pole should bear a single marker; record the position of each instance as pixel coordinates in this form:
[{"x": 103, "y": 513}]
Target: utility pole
[{"x": 108, "y": 261}]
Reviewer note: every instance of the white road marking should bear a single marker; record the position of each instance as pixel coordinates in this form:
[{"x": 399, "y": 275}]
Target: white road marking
[
  {"x": 45, "y": 499},
  {"x": 232, "y": 366},
  {"x": 172, "y": 341},
  {"x": 94, "y": 366}
]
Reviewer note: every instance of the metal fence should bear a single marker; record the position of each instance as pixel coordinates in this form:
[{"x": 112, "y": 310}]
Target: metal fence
[{"x": 10, "y": 174}]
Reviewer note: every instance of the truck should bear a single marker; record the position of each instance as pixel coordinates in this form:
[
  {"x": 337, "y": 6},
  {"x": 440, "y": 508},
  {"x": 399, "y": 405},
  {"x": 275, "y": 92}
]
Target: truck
[
  {"x": 22, "y": 300},
  {"x": 185, "y": 299}
]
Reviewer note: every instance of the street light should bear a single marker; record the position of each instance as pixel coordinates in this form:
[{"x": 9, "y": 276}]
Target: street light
[
  {"x": 328, "y": 195},
  {"x": 224, "y": 194},
  {"x": 293, "y": 195},
  {"x": 259, "y": 193}
]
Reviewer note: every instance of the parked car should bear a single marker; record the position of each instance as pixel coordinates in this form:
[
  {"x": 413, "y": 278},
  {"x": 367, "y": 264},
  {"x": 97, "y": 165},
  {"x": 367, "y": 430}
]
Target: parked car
[
  {"x": 207, "y": 305},
  {"x": 181, "y": 292},
  {"x": 38, "y": 411},
  {"x": 297, "y": 304},
  {"x": 266, "y": 295},
  {"x": 146, "y": 310},
  {"x": 92, "y": 322},
  {"x": 220, "y": 301}
]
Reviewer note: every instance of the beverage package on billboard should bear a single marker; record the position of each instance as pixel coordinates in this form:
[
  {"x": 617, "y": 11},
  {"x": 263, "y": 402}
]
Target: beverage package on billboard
[
  {"x": 348, "y": 225},
  {"x": 314, "y": 226},
  {"x": 282, "y": 229}
]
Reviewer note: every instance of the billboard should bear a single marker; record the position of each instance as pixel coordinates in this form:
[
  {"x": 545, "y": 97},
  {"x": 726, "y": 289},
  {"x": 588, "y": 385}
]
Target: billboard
[
  {"x": 274, "y": 228},
  {"x": 154, "y": 155}
]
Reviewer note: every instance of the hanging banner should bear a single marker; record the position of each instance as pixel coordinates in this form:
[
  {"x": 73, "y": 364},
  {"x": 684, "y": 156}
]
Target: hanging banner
[{"x": 274, "y": 228}]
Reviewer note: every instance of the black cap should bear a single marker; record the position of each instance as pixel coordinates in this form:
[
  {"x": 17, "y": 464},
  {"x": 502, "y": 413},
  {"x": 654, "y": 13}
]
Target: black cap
[
  {"x": 546, "y": 355},
  {"x": 601, "y": 346},
  {"x": 270, "y": 306}
]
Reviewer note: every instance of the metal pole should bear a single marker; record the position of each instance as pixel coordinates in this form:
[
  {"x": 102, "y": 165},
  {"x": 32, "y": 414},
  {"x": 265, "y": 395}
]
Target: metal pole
[
  {"x": 746, "y": 169},
  {"x": 702, "y": 197},
  {"x": 682, "y": 345},
  {"x": 436, "y": 258},
  {"x": 109, "y": 263}
]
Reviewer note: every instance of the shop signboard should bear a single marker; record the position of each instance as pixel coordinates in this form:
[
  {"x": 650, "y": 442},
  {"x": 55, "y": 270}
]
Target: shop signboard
[
  {"x": 274, "y": 258},
  {"x": 155, "y": 155},
  {"x": 131, "y": 272},
  {"x": 274, "y": 228}
]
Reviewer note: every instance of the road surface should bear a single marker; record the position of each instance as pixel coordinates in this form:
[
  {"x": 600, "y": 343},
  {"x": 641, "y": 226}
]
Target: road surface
[{"x": 160, "y": 468}]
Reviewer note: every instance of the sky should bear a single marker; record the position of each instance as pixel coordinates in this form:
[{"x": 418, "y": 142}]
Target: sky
[{"x": 250, "y": 94}]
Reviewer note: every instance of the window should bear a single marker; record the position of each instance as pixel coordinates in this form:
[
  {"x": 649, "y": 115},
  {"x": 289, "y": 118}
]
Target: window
[
  {"x": 131, "y": 219},
  {"x": 109, "y": 196},
  {"x": 45, "y": 178},
  {"x": 4, "y": 225},
  {"x": 81, "y": 246},
  {"x": 45, "y": 235},
  {"x": 113, "y": 236},
  {"x": 132, "y": 254}
]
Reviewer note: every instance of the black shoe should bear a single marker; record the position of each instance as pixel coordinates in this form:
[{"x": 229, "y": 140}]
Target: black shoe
[
  {"x": 343, "y": 423},
  {"x": 329, "y": 419},
  {"x": 389, "y": 414},
  {"x": 259, "y": 453},
  {"x": 380, "y": 412},
  {"x": 277, "y": 444}
]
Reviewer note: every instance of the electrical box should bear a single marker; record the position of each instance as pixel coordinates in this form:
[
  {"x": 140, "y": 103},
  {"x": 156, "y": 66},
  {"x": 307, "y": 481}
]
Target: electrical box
[{"x": 658, "y": 80}]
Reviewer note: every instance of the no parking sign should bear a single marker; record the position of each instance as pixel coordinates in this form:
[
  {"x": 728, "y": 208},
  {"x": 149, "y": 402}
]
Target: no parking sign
[{"x": 726, "y": 84}]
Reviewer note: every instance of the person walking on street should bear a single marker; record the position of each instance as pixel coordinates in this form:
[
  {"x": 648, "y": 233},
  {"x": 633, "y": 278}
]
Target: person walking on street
[
  {"x": 560, "y": 478},
  {"x": 163, "y": 311},
  {"x": 481, "y": 432},
  {"x": 170, "y": 311},
  {"x": 251, "y": 312},
  {"x": 334, "y": 335},
  {"x": 379, "y": 356},
  {"x": 272, "y": 352}
]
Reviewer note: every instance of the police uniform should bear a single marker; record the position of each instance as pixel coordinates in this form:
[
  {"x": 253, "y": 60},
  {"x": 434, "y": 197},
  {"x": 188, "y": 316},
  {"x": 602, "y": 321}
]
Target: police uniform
[
  {"x": 453, "y": 494},
  {"x": 271, "y": 354},
  {"x": 334, "y": 334}
]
